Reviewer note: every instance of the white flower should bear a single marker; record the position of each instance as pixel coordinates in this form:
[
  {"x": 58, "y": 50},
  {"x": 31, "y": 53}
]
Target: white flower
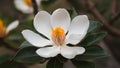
[
  {"x": 4, "y": 31},
  {"x": 25, "y": 5},
  {"x": 60, "y": 31}
]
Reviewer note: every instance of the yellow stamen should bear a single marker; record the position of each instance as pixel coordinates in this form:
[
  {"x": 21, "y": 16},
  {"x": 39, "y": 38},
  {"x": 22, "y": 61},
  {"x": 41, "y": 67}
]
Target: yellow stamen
[
  {"x": 28, "y": 2},
  {"x": 2, "y": 30},
  {"x": 58, "y": 36}
]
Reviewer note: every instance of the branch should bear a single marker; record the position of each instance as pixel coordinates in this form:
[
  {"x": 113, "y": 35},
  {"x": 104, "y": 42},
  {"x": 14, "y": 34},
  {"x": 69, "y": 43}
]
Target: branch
[
  {"x": 114, "y": 7},
  {"x": 35, "y": 7},
  {"x": 114, "y": 18},
  {"x": 108, "y": 27},
  {"x": 114, "y": 14}
]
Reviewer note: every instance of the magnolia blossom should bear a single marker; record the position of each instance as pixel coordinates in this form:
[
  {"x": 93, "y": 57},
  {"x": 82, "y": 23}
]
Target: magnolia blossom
[
  {"x": 5, "y": 30},
  {"x": 60, "y": 31},
  {"x": 25, "y": 5}
]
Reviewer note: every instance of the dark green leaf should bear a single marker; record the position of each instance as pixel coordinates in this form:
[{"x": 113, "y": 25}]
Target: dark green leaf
[
  {"x": 28, "y": 55},
  {"x": 73, "y": 13},
  {"x": 92, "y": 52},
  {"x": 14, "y": 36},
  {"x": 47, "y": 3},
  {"x": 4, "y": 58},
  {"x": 27, "y": 24},
  {"x": 94, "y": 25},
  {"x": 92, "y": 38},
  {"x": 12, "y": 64},
  {"x": 62, "y": 59},
  {"x": 83, "y": 64},
  {"x": 25, "y": 44},
  {"x": 54, "y": 63}
]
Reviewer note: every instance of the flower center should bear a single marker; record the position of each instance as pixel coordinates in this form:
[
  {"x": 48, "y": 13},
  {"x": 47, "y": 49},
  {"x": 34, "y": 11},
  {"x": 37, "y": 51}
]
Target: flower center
[
  {"x": 58, "y": 36},
  {"x": 28, "y": 2},
  {"x": 2, "y": 29}
]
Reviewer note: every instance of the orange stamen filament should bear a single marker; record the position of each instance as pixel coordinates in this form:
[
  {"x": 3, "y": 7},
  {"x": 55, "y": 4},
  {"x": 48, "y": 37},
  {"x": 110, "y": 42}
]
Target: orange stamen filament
[
  {"x": 2, "y": 29},
  {"x": 58, "y": 36},
  {"x": 28, "y": 2}
]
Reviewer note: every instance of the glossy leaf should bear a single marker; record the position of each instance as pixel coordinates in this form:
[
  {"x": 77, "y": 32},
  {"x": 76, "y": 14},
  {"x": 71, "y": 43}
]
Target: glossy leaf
[
  {"x": 73, "y": 13},
  {"x": 28, "y": 55},
  {"x": 25, "y": 44},
  {"x": 92, "y": 52},
  {"x": 92, "y": 38},
  {"x": 94, "y": 25},
  {"x": 15, "y": 36},
  {"x": 47, "y": 3}
]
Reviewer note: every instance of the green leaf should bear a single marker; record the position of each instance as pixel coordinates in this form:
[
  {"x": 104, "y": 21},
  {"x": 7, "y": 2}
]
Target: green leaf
[
  {"x": 47, "y": 3},
  {"x": 92, "y": 38},
  {"x": 4, "y": 58},
  {"x": 92, "y": 52},
  {"x": 25, "y": 44},
  {"x": 73, "y": 13},
  {"x": 27, "y": 24},
  {"x": 83, "y": 64},
  {"x": 54, "y": 63},
  {"x": 14, "y": 36},
  {"x": 28, "y": 55},
  {"x": 62, "y": 59},
  {"x": 94, "y": 25},
  {"x": 12, "y": 64}
]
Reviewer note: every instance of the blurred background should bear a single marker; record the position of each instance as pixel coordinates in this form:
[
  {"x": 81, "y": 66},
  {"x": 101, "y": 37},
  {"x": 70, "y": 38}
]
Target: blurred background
[{"x": 105, "y": 11}]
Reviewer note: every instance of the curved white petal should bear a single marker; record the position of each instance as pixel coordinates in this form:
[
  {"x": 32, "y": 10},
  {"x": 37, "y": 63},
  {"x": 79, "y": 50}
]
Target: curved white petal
[
  {"x": 71, "y": 52},
  {"x": 20, "y": 5},
  {"x": 79, "y": 25},
  {"x": 74, "y": 38},
  {"x": 48, "y": 52},
  {"x": 35, "y": 39},
  {"x": 42, "y": 23},
  {"x": 12, "y": 25},
  {"x": 61, "y": 18}
]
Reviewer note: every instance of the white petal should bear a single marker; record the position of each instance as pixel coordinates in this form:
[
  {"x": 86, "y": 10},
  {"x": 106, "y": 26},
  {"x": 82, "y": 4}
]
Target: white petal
[
  {"x": 20, "y": 5},
  {"x": 71, "y": 52},
  {"x": 48, "y": 52},
  {"x": 38, "y": 2},
  {"x": 12, "y": 25},
  {"x": 42, "y": 23},
  {"x": 61, "y": 18},
  {"x": 79, "y": 25},
  {"x": 74, "y": 38},
  {"x": 35, "y": 39}
]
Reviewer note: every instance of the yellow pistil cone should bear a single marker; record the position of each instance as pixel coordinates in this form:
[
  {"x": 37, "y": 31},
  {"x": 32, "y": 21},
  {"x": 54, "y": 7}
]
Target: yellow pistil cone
[
  {"x": 2, "y": 30},
  {"x": 28, "y": 2},
  {"x": 58, "y": 36}
]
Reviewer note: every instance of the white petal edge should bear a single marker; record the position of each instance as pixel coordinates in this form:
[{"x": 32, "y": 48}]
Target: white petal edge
[
  {"x": 61, "y": 18},
  {"x": 79, "y": 25},
  {"x": 12, "y": 26},
  {"x": 20, "y": 5},
  {"x": 74, "y": 38},
  {"x": 71, "y": 52},
  {"x": 42, "y": 23},
  {"x": 35, "y": 39},
  {"x": 48, "y": 51}
]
